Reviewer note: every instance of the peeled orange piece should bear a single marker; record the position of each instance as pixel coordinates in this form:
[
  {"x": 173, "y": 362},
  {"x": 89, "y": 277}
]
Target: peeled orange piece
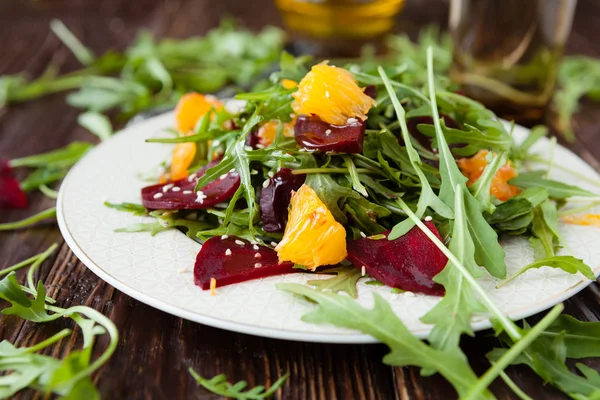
[
  {"x": 182, "y": 158},
  {"x": 190, "y": 108},
  {"x": 332, "y": 94},
  {"x": 288, "y": 83},
  {"x": 312, "y": 236},
  {"x": 473, "y": 167}
]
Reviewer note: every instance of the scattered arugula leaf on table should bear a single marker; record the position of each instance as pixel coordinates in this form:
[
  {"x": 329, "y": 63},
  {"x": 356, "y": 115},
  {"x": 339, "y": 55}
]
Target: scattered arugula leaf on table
[{"x": 220, "y": 386}]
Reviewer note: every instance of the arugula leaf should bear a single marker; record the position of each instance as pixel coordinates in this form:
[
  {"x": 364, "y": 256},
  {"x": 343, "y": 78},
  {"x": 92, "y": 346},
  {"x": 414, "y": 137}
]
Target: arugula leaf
[
  {"x": 481, "y": 188},
  {"x": 135, "y": 209},
  {"x": 345, "y": 280},
  {"x": 364, "y": 215},
  {"x": 219, "y": 385},
  {"x": 544, "y": 227},
  {"x": 581, "y": 339},
  {"x": 381, "y": 323},
  {"x": 83, "y": 54},
  {"x": 556, "y": 190},
  {"x": 96, "y": 123},
  {"x": 60, "y": 158},
  {"x": 488, "y": 251},
  {"x": 568, "y": 264},
  {"x": 459, "y": 302}
]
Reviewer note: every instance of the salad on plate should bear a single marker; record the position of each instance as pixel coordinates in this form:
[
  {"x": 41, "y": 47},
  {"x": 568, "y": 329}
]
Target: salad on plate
[{"x": 354, "y": 172}]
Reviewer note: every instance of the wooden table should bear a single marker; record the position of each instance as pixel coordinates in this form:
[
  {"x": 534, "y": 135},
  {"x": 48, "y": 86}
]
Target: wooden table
[{"x": 155, "y": 348}]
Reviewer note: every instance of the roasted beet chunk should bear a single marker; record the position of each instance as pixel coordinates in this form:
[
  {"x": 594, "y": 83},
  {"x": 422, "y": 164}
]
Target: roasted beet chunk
[
  {"x": 275, "y": 199},
  {"x": 11, "y": 194},
  {"x": 180, "y": 195},
  {"x": 234, "y": 260},
  {"x": 314, "y": 134},
  {"x": 408, "y": 263}
]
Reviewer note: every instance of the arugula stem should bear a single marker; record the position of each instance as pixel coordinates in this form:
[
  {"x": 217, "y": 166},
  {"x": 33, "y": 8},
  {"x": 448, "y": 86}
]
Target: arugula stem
[
  {"x": 576, "y": 210},
  {"x": 509, "y": 326},
  {"x": 34, "y": 293},
  {"x": 41, "y": 258},
  {"x": 515, "y": 350},
  {"x": 20, "y": 265},
  {"x": 552, "y": 151},
  {"x": 24, "y": 223},
  {"x": 513, "y": 386},
  {"x": 82, "y": 53},
  {"x": 51, "y": 340},
  {"x": 48, "y": 192}
]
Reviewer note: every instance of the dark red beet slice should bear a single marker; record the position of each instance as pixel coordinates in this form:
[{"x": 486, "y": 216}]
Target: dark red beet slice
[
  {"x": 275, "y": 199},
  {"x": 314, "y": 134},
  {"x": 11, "y": 194},
  {"x": 371, "y": 91},
  {"x": 180, "y": 195},
  {"x": 252, "y": 139},
  {"x": 408, "y": 263},
  {"x": 234, "y": 260}
]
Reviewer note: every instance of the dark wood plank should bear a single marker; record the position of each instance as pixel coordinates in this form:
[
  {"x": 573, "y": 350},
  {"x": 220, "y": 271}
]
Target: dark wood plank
[{"x": 156, "y": 349}]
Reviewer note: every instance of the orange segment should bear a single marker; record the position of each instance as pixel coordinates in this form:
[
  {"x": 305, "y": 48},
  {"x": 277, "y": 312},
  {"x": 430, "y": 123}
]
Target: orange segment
[
  {"x": 182, "y": 158},
  {"x": 583, "y": 219},
  {"x": 191, "y": 107},
  {"x": 473, "y": 167},
  {"x": 312, "y": 236},
  {"x": 332, "y": 94},
  {"x": 267, "y": 132}
]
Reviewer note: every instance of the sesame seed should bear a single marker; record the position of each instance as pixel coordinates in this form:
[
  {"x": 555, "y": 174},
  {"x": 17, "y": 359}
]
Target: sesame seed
[
  {"x": 167, "y": 187},
  {"x": 271, "y": 174},
  {"x": 191, "y": 177},
  {"x": 253, "y": 172},
  {"x": 409, "y": 294},
  {"x": 187, "y": 192},
  {"x": 232, "y": 170},
  {"x": 224, "y": 237},
  {"x": 228, "y": 252},
  {"x": 428, "y": 218},
  {"x": 292, "y": 115},
  {"x": 273, "y": 244},
  {"x": 239, "y": 242},
  {"x": 327, "y": 132},
  {"x": 216, "y": 142},
  {"x": 260, "y": 146},
  {"x": 363, "y": 271},
  {"x": 255, "y": 247},
  {"x": 257, "y": 265},
  {"x": 327, "y": 93},
  {"x": 157, "y": 195},
  {"x": 351, "y": 120},
  {"x": 200, "y": 197},
  {"x": 182, "y": 270},
  {"x": 223, "y": 176},
  {"x": 266, "y": 183},
  {"x": 362, "y": 234},
  {"x": 176, "y": 189},
  {"x": 257, "y": 255}
]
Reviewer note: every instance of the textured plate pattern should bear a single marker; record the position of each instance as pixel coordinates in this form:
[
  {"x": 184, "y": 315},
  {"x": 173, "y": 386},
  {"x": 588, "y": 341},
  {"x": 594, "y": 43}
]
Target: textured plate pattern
[{"x": 158, "y": 270}]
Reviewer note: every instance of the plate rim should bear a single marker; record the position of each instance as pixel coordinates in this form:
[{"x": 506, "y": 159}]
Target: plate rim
[{"x": 274, "y": 333}]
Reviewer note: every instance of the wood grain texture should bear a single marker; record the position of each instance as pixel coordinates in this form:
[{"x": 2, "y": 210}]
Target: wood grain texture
[{"x": 155, "y": 348}]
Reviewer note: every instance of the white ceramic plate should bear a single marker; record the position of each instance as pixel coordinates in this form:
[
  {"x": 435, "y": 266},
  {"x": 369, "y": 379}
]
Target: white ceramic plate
[{"x": 159, "y": 270}]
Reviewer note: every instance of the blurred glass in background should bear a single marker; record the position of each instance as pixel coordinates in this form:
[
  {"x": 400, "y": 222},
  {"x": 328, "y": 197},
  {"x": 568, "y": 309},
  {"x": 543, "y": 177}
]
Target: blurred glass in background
[
  {"x": 507, "y": 53},
  {"x": 338, "y": 28}
]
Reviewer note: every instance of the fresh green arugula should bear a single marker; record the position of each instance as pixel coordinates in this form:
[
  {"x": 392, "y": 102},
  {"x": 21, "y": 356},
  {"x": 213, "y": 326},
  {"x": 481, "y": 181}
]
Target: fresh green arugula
[
  {"x": 345, "y": 280},
  {"x": 219, "y": 385},
  {"x": 29, "y": 221},
  {"x": 568, "y": 264}
]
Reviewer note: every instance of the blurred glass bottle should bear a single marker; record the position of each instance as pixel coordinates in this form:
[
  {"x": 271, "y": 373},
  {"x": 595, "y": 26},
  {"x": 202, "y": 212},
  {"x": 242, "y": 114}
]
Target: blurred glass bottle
[
  {"x": 507, "y": 53},
  {"x": 338, "y": 28}
]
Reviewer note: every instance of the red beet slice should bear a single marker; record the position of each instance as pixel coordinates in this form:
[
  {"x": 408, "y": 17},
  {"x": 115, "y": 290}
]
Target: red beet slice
[
  {"x": 371, "y": 91},
  {"x": 180, "y": 195},
  {"x": 314, "y": 134},
  {"x": 275, "y": 199},
  {"x": 11, "y": 194},
  {"x": 234, "y": 260},
  {"x": 408, "y": 263}
]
